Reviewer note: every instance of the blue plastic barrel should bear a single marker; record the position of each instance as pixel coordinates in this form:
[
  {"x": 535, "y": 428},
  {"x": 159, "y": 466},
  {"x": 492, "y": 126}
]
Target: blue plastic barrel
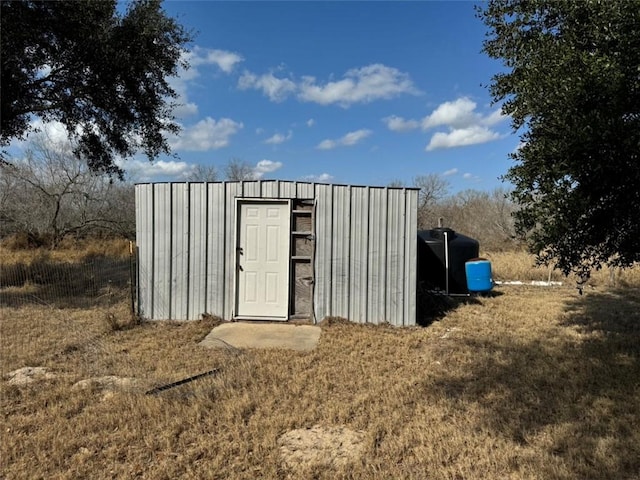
[{"x": 478, "y": 272}]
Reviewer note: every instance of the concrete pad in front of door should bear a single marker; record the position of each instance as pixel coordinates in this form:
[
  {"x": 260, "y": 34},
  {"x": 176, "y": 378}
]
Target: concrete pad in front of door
[{"x": 263, "y": 335}]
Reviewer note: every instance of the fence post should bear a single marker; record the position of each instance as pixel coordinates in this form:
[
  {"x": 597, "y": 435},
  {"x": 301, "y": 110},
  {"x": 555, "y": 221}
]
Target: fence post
[{"x": 132, "y": 280}]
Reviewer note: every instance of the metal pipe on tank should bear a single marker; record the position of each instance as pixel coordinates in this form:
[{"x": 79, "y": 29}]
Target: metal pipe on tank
[{"x": 446, "y": 262}]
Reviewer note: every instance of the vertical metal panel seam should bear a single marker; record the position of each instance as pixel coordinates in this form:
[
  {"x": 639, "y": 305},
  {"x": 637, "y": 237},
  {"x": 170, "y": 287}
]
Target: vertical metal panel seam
[
  {"x": 414, "y": 251},
  {"x": 349, "y": 282},
  {"x": 153, "y": 250},
  {"x": 404, "y": 254},
  {"x": 332, "y": 240},
  {"x": 170, "y": 300},
  {"x": 188, "y": 196},
  {"x": 223, "y": 290},
  {"x": 412, "y": 258},
  {"x": 136, "y": 191},
  {"x": 140, "y": 213},
  {"x": 206, "y": 246},
  {"x": 316, "y": 300},
  {"x": 386, "y": 253},
  {"x": 313, "y": 257},
  {"x": 367, "y": 257}
]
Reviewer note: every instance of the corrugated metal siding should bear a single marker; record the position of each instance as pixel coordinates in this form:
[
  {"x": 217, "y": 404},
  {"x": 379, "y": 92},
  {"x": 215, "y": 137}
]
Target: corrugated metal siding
[
  {"x": 144, "y": 237},
  {"x": 179, "y": 250},
  {"x": 216, "y": 240},
  {"x": 358, "y": 254},
  {"x": 411, "y": 254},
  {"x": 197, "y": 250},
  {"x": 162, "y": 274},
  {"x": 324, "y": 234},
  {"x": 365, "y": 252},
  {"x": 340, "y": 251},
  {"x": 376, "y": 245}
]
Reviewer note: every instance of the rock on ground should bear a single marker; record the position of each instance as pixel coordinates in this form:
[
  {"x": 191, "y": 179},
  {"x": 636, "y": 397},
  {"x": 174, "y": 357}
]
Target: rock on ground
[
  {"x": 109, "y": 382},
  {"x": 329, "y": 446},
  {"x": 25, "y": 375}
]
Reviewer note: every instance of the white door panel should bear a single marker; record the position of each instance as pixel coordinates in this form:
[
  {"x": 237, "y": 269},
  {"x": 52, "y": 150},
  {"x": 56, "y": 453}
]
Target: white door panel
[{"x": 263, "y": 260}]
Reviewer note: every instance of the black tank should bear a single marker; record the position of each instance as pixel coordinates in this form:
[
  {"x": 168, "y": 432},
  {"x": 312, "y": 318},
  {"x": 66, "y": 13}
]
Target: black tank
[{"x": 432, "y": 259}]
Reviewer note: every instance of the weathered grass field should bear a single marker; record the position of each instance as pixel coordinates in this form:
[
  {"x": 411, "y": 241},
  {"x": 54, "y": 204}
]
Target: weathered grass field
[{"x": 530, "y": 383}]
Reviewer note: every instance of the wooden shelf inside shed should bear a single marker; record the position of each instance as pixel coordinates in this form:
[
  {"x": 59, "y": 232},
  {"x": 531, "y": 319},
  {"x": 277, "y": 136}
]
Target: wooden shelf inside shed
[{"x": 302, "y": 251}]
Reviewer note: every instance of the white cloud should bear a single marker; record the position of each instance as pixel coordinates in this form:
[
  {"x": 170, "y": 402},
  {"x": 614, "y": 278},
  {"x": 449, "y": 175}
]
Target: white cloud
[
  {"x": 347, "y": 140},
  {"x": 460, "y": 113},
  {"x": 145, "y": 171},
  {"x": 279, "y": 138},
  {"x": 327, "y": 145},
  {"x": 277, "y": 89},
  {"x": 311, "y": 122},
  {"x": 471, "y": 177},
  {"x": 53, "y": 131},
  {"x": 352, "y": 138},
  {"x": 197, "y": 58},
  {"x": 461, "y": 137},
  {"x": 183, "y": 107},
  {"x": 457, "y": 114},
  {"x": 187, "y": 109},
  {"x": 399, "y": 124},
  {"x": 322, "y": 178},
  {"x": 265, "y": 166},
  {"x": 466, "y": 126},
  {"x": 207, "y": 134},
  {"x": 360, "y": 85},
  {"x": 184, "y": 74},
  {"x": 519, "y": 146},
  {"x": 223, "y": 59},
  {"x": 450, "y": 172},
  {"x": 494, "y": 118}
]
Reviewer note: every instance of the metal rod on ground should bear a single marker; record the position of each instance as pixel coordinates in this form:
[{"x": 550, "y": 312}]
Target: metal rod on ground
[{"x": 162, "y": 388}]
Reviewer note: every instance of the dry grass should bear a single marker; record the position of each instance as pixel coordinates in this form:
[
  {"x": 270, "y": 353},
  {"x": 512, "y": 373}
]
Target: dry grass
[
  {"x": 518, "y": 265},
  {"x": 531, "y": 383},
  {"x": 69, "y": 250},
  {"x": 77, "y": 274}
]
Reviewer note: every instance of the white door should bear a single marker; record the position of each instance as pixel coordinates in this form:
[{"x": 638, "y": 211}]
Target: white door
[{"x": 263, "y": 260}]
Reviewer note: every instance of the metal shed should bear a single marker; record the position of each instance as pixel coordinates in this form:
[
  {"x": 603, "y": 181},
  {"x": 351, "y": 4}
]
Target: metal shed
[{"x": 276, "y": 250}]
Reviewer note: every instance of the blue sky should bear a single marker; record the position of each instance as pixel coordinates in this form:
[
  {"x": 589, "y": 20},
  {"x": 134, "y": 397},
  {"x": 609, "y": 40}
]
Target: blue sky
[{"x": 344, "y": 92}]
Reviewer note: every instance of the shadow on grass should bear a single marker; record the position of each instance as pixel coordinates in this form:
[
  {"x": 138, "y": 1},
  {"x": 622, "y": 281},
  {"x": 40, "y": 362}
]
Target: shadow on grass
[
  {"x": 572, "y": 393},
  {"x": 95, "y": 281},
  {"x": 433, "y": 306}
]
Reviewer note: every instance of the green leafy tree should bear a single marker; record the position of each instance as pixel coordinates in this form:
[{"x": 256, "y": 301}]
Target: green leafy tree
[
  {"x": 571, "y": 86},
  {"x": 102, "y": 73}
]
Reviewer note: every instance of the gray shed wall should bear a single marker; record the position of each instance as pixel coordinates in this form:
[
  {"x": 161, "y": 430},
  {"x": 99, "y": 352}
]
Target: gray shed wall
[{"x": 365, "y": 250}]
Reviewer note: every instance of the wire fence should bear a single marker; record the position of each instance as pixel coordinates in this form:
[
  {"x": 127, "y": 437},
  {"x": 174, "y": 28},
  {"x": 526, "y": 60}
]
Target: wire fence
[
  {"x": 52, "y": 310},
  {"x": 92, "y": 282},
  {"x": 66, "y": 324}
]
